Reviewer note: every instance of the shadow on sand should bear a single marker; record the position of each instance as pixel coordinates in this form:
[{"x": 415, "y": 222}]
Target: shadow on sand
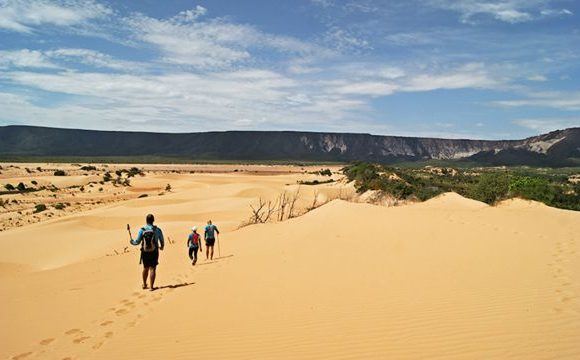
[
  {"x": 174, "y": 286},
  {"x": 209, "y": 262}
]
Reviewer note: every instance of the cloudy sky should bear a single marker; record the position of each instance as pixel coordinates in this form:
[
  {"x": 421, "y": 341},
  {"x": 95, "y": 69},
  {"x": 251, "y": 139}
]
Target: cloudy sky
[{"x": 446, "y": 68}]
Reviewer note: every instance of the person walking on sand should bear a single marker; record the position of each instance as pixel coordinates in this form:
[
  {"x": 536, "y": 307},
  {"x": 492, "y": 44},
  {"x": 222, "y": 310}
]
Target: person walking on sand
[
  {"x": 209, "y": 235},
  {"x": 194, "y": 244},
  {"x": 151, "y": 239}
]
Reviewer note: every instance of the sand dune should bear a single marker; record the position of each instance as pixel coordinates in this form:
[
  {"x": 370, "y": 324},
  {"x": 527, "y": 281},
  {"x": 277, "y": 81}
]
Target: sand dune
[{"x": 448, "y": 278}]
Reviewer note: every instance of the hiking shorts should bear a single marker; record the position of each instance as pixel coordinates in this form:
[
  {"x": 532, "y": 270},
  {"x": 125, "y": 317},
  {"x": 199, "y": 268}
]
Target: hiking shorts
[
  {"x": 150, "y": 259},
  {"x": 209, "y": 242}
]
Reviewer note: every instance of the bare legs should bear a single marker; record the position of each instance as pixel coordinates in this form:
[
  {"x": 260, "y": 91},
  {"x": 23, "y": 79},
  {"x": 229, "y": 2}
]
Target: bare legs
[
  {"x": 149, "y": 272},
  {"x": 209, "y": 252}
]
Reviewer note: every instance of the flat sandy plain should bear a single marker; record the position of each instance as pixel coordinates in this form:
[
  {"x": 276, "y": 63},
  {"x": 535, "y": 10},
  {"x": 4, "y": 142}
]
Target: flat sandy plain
[{"x": 450, "y": 278}]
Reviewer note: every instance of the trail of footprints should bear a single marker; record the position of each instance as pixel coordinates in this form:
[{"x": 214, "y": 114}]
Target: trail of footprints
[
  {"x": 568, "y": 301},
  {"x": 127, "y": 312}
]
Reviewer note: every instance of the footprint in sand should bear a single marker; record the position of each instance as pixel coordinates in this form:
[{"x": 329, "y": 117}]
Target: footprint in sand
[
  {"x": 81, "y": 339},
  {"x": 106, "y": 323},
  {"x": 131, "y": 324},
  {"x": 73, "y": 331},
  {"x": 121, "y": 312},
  {"x": 21, "y": 356},
  {"x": 46, "y": 341},
  {"x": 97, "y": 345},
  {"x": 109, "y": 334},
  {"x": 567, "y": 299}
]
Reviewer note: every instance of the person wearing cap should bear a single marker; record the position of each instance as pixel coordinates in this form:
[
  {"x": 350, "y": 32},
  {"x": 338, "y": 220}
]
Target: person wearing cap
[{"x": 193, "y": 244}]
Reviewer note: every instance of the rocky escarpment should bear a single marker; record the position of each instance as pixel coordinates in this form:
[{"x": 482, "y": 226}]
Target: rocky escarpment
[{"x": 556, "y": 148}]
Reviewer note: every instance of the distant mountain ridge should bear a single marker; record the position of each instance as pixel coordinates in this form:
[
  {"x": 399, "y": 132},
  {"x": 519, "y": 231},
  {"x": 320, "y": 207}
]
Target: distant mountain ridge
[{"x": 557, "y": 148}]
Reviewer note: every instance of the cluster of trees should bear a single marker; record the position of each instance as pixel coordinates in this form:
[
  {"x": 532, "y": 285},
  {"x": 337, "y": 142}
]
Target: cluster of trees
[
  {"x": 120, "y": 179},
  {"x": 487, "y": 185}
]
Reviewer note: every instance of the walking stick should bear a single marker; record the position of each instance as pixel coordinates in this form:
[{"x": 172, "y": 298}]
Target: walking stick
[
  {"x": 129, "y": 230},
  {"x": 219, "y": 250},
  {"x": 131, "y": 242}
]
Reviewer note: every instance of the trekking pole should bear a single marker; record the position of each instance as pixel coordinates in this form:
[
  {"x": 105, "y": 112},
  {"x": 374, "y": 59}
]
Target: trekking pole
[
  {"x": 219, "y": 250},
  {"x": 129, "y": 230}
]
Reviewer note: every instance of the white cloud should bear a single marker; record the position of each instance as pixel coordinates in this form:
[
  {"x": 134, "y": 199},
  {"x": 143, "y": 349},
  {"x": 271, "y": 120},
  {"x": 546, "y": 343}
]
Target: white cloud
[
  {"x": 537, "y": 77},
  {"x": 566, "y": 101},
  {"x": 370, "y": 88},
  {"x": 187, "y": 40},
  {"x": 344, "y": 40},
  {"x": 92, "y": 58},
  {"x": 473, "y": 75},
  {"x": 190, "y": 15},
  {"x": 223, "y": 100},
  {"x": 407, "y": 39},
  {"x": 551, "y": 12},
  {"x": 24, "y": 15},
  {"x": 510, "y": 11},
  {"x": 25, "y": 58},
  {"x": 323, "y": 3},
  {"x": 544, "y": 125}
]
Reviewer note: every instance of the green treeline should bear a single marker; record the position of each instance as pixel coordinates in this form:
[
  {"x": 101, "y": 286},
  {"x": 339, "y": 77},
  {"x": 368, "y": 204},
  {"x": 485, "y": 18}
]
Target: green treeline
[{"x": 490, "y": 185}]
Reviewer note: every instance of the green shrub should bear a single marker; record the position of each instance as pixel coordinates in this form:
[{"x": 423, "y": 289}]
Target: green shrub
[
  {"x": 134, "y": 171},
  {"x": 532, "y": 188},
  {"x": 88, "y": 168},
  {"x": 59, "y": 206},
  {"x": 39, "y": 208},
  {"x": 365, "y": 176},
  {"x": 316, "y": 182},
  {"x": 491, "y": 187},
  {"x": 34, "y": 182},
  {"x": 21, "y": 187},
  {"x": 9, "y": 187},
  {"x": 59, "y": 173}
]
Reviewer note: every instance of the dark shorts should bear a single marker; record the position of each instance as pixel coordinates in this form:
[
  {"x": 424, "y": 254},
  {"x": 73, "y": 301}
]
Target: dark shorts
[
  {"x": 150, "y": 259},
  {"x": 209, "y": 242}
]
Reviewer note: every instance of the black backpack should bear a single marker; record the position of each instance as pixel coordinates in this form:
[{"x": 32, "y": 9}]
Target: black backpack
[{"x": 149, "y": 237}]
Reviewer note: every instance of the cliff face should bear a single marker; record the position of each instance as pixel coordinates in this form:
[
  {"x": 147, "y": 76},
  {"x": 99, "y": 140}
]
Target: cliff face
[{"x": 555, "y": 148}]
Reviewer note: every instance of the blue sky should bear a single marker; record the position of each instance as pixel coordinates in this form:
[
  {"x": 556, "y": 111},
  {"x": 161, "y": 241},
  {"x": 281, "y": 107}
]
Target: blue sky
[{"x": 484, "y": 69}]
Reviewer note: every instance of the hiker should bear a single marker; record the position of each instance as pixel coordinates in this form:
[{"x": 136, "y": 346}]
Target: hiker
[
  {"x": 194, "y": 244},
  {"x": 151, "y": 239},
  {"x": 209, "y": 235}
]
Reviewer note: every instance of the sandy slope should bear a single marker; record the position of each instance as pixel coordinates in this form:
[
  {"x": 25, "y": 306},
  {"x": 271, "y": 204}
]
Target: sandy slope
[{"x": 449, "y": 278}]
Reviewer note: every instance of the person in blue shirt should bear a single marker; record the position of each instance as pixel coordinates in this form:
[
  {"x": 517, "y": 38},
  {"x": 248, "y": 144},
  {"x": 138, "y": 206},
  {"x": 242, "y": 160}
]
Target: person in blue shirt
[
  {"x": 209, "y": 236},
  {"x": 194, "y": 244},
  {"x": 151, "y": 239}
]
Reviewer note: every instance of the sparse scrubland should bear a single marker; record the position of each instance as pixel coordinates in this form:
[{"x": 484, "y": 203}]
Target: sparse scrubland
[{"x": 553, "y": 187}]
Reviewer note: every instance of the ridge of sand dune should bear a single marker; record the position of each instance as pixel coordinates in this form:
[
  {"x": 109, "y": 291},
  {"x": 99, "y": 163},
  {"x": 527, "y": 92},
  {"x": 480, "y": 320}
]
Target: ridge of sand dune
[
  {"x": 344, "y": 281},
  {"x": 519, "y": 203},
  {"x": 451, "y": 200}
]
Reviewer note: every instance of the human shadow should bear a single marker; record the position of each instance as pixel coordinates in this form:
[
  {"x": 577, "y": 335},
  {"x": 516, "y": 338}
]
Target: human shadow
[{"x": 174, "y": 286}]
